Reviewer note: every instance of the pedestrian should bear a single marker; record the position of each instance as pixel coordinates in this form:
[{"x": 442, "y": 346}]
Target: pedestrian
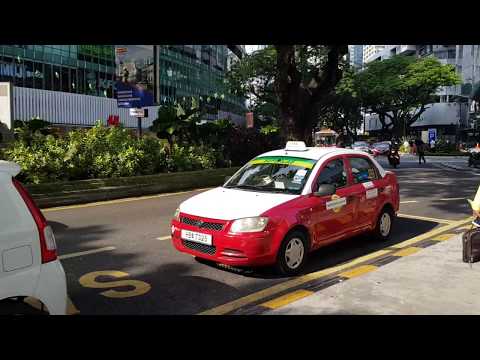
[
  {"x": 411, "y": 144},
  {"x": 475, "y": 204},
  {"x": 420, "y": 150}
]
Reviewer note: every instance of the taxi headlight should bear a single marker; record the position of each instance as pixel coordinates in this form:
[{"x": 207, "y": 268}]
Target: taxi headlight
[
  {"x": 251, "y": 224},
  {"x": 176, "y": 216}
]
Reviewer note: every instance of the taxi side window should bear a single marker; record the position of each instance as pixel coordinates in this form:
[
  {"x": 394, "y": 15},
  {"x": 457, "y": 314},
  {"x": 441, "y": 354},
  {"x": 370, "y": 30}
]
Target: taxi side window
[
  {"x": 363, "y": 170},
  {"x": 333, "y": 173}
]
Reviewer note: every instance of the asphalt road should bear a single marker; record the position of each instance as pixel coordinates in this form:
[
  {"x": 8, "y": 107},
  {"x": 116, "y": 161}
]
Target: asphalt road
[{"x": 131, "y": 267}]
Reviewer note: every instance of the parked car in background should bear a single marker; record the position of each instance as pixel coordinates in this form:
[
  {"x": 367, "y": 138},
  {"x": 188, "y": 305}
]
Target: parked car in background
[
  {"x": 29, "y": 265},
  {"x": 382, "y": 147},
  {"x": 361, "y": 146}
]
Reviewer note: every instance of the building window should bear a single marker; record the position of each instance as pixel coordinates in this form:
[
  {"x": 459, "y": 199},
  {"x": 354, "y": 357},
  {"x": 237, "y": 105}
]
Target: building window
[
  {"x": 65, "y": 79},
  {"x": 28, "y": 74},
  {"x": 48, "y": 83},
  {"x": 57, "y": 78}
]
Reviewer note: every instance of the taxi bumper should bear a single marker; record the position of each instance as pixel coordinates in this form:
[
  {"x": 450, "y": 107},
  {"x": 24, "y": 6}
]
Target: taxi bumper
[{"x": 245, "y": 249}]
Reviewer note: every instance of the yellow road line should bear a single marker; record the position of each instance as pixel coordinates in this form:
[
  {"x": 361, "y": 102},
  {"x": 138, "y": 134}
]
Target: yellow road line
[
  {"x": 87, "y": 252},
  {"x": 431, "y": 234},
  {"x": 71, "y": 308},
  {"x": 407, "y": 251},
  {"x": 287, "y": 299},
  {"x": 358, "y": 271},
  {"x": 443, "y": 237},
  {"x": 119, "y": 201},
  {"x": 161, "y": 238},
  {"x": 34, "y": 303},
  {"x": 238, "y": 303},
  {"x": 441, "y": 221}
]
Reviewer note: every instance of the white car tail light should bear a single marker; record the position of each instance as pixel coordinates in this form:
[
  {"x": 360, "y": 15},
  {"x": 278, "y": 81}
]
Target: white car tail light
[{"x": 48, "y": 245}]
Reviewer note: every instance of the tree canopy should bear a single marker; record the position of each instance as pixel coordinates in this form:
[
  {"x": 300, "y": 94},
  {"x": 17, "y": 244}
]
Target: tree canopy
[
  {"x": 400, "y": 88},
  {"x": 289, "y": 82}
]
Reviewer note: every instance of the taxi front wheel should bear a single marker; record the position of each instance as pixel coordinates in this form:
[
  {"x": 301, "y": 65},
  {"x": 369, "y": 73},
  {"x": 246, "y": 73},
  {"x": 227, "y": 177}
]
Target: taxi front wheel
[
  {"x": 383, "y": 228},
  {"x": 292, "y": 254}
]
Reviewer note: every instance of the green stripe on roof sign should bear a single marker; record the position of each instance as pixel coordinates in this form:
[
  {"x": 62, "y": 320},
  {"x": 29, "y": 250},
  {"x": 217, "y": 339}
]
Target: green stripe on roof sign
[{"x": 287, "y": 160}]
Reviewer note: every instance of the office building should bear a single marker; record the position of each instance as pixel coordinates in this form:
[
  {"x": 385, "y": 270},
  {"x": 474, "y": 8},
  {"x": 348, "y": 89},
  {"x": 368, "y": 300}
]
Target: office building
[
  {"x": 370, "y": 50},
  {"x": 451, "y": 114},
  {"x": 79, "y": 69},
  {"x": 355, "y": 55},
  {"x": 74, "y": 85}
]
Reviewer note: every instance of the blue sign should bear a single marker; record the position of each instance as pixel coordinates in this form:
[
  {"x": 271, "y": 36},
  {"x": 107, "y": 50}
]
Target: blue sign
[
  {"x": 132, "y": 96},
  {"x": 432, "y": 135}
]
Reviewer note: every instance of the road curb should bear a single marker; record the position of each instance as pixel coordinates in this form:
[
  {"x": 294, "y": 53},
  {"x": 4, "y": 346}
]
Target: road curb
[
  {"x": 91, "y": 191},
  {"x": 337, "y": 274}
]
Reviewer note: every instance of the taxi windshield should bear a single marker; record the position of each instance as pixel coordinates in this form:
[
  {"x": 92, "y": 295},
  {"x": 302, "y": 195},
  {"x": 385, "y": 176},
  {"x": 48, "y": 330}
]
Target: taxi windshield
[{"x": 280, "y": 174}]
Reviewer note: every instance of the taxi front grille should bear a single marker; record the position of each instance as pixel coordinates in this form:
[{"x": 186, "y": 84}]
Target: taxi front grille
[
  {"x": 202, "y": 224},
  {"x": 206, "y": 249}
]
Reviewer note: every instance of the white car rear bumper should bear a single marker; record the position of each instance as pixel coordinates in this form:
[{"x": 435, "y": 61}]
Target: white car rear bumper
[{"x": 52, "y": 288}]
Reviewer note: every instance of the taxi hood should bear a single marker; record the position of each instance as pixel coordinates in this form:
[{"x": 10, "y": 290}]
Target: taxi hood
[{"x": 229, "y": 204}]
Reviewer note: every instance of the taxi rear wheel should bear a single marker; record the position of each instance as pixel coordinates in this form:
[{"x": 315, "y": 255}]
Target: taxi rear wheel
[
  {"x": 292, "y": 254},
  {"x": 383, "y": 228}
]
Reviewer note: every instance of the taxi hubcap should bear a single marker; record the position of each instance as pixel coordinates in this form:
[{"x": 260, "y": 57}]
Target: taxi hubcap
[
  {"x": 385, "y": 224},
  {"x": 294, "y": 253}
]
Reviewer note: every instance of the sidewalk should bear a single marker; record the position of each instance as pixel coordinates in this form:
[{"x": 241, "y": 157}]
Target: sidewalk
[{"x": 430, "y": 282}]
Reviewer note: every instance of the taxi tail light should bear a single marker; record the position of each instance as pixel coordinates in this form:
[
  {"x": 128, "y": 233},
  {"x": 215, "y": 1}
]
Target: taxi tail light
[{"x": 48, "y": 246}]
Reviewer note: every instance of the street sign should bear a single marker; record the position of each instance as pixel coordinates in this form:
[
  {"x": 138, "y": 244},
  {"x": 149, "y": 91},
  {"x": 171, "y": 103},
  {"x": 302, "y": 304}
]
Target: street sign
[
  {"x": 129, "y": 96},
  {"x": 432, "y": 135},
  {"x": 138, "y": 113}
]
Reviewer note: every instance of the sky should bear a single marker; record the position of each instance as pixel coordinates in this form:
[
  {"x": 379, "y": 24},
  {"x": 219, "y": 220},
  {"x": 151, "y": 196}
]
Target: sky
[{"x": 251, "y": 48}]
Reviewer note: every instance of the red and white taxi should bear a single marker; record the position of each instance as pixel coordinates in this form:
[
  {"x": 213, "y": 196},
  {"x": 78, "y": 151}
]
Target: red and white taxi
[{"x": 284, "y": 204}]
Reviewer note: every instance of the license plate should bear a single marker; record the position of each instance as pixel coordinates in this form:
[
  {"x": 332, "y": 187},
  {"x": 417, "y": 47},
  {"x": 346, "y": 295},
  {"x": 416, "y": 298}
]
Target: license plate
[{"x": 197, "y": 237}]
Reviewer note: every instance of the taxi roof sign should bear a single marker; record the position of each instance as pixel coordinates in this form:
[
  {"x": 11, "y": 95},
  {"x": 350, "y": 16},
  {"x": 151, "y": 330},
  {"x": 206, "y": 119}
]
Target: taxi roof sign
[{"x": 296, "y": 146}]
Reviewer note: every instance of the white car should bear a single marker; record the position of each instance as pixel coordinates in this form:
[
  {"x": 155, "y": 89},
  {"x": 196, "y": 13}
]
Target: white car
[{"x": 29, "y": 265}]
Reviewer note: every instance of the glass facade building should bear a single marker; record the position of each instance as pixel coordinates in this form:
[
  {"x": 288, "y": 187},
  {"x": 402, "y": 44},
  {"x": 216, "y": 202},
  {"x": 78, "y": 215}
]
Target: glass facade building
[
  {"x": 173, "y": 71},
  {"x": 81, "y": 69},
  {"x": 196, "y": 71}
]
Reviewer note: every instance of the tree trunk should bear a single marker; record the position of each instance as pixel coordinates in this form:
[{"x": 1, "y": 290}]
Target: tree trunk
[{"x": 296, "y": 102}]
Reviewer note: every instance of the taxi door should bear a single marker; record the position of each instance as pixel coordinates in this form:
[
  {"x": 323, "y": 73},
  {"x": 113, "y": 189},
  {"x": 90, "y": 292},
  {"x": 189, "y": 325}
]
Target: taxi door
[
  {"x": 333, "y": 215},
  {"x": 366, "y": 187}
]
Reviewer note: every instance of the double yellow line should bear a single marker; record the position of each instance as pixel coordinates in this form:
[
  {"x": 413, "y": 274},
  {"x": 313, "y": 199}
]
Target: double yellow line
[{"x": 285, "y": 286}]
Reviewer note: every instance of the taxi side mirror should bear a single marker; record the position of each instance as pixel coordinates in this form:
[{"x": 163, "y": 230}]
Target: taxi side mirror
[{"x": 325, "y": 190}]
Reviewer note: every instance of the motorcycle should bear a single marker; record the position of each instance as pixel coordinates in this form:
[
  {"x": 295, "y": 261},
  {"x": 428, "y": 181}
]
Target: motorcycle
[{"x": 393, "y": 158}]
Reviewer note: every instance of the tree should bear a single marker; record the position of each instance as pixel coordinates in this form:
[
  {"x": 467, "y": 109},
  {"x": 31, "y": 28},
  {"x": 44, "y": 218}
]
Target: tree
[
  {"x": 342, "y": 110},
  {"x": 295, "y": 79},
  {"x": 400, "y": 88},
  {"x": 306, "y": 75},
  {"x": 175, "y": 120}
]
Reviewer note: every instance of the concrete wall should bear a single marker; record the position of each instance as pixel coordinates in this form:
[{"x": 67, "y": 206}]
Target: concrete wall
[
  {"x": 82, "y": 110},
  {"x": 71, "y": 109},
  {"x": 6, "y": 104}
]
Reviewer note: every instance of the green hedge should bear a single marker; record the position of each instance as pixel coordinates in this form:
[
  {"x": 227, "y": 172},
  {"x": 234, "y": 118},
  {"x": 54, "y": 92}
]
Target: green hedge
[{"x": 100, "y": 152}]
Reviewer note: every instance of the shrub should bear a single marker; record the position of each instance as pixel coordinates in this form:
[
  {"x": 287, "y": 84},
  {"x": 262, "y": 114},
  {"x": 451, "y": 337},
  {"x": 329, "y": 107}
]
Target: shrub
[{"x": 102, "y": 152}]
